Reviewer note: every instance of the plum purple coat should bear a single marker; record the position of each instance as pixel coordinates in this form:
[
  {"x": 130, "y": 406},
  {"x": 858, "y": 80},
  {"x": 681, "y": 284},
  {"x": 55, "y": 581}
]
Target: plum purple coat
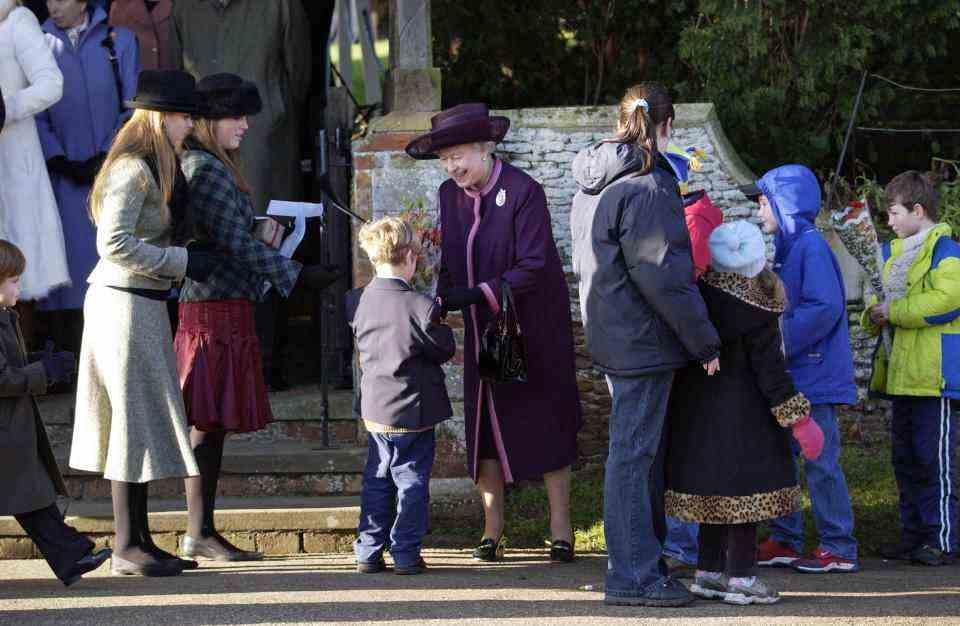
[{"x": 505, "y": 233}]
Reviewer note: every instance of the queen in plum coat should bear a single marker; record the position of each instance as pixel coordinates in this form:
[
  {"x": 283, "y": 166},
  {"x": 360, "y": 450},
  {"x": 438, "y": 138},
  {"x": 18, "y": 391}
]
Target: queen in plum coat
[{"x": 495, "y": 226}]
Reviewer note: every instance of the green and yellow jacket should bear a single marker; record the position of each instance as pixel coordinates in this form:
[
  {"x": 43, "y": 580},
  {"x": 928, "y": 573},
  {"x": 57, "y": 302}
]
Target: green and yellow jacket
[{"x": 925, "y": 355}]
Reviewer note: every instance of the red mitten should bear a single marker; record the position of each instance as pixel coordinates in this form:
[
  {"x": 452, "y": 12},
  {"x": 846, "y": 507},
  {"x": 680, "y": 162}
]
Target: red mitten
[{"x": 808, "y": 434}]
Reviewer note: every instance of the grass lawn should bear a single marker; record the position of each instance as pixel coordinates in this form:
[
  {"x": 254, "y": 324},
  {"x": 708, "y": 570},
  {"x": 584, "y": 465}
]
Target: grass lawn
[{"x": 869, "y": 478}]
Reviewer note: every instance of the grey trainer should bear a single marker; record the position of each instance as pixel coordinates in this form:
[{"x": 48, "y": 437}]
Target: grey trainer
[
  {"x": 709, "y": 587},
  {"x": 758, "y": 592}
]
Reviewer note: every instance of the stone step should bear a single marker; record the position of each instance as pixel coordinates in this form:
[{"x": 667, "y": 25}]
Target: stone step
[
  {"x": 274, "y": 525},
  {"x": 255, "y": 469},
  {"x": 297, "y": 413}
]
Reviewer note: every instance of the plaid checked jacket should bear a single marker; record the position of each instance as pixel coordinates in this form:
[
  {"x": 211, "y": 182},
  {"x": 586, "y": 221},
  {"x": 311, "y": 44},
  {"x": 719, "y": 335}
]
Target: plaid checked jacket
[{"x": 224, "y": 216}]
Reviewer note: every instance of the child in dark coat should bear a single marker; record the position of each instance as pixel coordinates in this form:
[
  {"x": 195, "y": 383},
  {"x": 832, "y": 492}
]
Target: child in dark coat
[
  {"x": 737, "y": 420},
  {"x": 401, "y": 344},
  {"x": 29, "y": 478}
]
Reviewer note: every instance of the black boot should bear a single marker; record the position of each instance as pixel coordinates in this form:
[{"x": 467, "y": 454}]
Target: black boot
[
  {"x": 130, "y": 556},
  {"x": 202, "y": 538}
]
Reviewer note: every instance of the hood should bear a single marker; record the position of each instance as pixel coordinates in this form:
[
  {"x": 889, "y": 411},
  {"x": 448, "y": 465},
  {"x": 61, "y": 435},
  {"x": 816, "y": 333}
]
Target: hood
[
  {"x": 6, "y": 6},
  {"x": 595, "y": 167},
  {"x": 794, "y": 195}
]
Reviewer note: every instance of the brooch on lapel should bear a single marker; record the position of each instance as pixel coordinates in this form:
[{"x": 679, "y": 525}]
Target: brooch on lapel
[{"x": 501, "y": 197}]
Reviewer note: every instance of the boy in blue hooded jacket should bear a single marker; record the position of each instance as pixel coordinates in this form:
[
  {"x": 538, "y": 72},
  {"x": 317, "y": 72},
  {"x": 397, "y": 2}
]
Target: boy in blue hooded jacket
[{"x": 817, "y": 346}]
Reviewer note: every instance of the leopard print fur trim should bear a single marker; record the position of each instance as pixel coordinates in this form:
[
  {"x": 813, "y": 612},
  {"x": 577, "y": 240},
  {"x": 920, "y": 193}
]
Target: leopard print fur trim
[
  {"x": 746, "y": 289},
  {"x": 757, "y": 507},
  {"x": 792, "y": 410}
]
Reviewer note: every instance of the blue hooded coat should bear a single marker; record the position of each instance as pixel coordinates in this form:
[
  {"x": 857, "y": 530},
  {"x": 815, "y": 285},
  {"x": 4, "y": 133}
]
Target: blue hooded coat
[
  {"x": 81, "y": 125},
  {"x": 815, "y": 333}
]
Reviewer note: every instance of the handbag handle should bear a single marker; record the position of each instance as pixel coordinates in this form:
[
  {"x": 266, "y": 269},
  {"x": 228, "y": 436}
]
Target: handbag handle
[{"x": 508, "y": 305}]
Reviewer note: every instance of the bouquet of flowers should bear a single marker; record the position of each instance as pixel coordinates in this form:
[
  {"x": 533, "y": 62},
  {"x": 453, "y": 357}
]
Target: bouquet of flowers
[
  {"x": 858, "y": 234},
  {"x": 426, "y": 232}
]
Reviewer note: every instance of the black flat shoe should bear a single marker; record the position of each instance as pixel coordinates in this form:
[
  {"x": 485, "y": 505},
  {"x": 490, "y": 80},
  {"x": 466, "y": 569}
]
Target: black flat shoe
[
  {"x": 211, "y": 548},
  {"x": 86, "y": 565},
  {"x": 489, "y": 550},
  {"x": 374, "y": 567},
  {"x": 122, "y": 567},
  {"x": 561, "y": 551}
]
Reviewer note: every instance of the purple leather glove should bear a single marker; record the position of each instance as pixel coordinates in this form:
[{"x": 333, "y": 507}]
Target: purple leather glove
[{"x": 808, "y": 434}]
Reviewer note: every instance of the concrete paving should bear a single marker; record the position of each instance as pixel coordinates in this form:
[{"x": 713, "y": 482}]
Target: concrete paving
[{"x": 526, "y": 589}]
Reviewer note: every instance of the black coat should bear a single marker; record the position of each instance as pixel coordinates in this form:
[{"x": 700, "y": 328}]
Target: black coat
[
  {"x": 29, "y": 477},
  {"x": 641, "y": 310},
  {"x": 728, "y": 448},
  {"x": 401, "y": 345}
]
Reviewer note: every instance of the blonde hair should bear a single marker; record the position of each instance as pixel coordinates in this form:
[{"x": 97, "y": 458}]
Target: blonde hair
[
  {"x": 141, "y": 137},
  {"x": 204, "y": 131},
  {"x": 387, "y": 240},
  {"x": 643, "y": 108}
]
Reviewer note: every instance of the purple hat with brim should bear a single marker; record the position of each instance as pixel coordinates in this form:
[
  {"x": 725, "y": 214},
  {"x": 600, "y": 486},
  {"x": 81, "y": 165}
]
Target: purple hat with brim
[{"x": 464, "y": 123}]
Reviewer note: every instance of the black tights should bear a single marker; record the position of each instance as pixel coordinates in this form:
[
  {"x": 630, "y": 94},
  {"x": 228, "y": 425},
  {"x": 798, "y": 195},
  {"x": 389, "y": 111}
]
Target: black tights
[
  {"x": 132, "y": 539},
  {"x": 202, "y": 489},
  {"x": 728, "y": 548}
]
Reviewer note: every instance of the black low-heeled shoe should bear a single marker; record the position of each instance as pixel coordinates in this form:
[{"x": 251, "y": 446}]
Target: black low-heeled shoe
[
  {"x": 86, "y": 565},
  {"x": 489, "y": 550},
  {"x": 561, "y": 551}
]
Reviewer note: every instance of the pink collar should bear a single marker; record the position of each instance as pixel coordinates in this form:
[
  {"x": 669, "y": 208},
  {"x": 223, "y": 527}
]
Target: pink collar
[{"x": 494, "y": 176}]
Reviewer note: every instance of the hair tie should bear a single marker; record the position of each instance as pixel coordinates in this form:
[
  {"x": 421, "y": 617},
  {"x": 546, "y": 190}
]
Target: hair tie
[{"x": 640, "y": 103}]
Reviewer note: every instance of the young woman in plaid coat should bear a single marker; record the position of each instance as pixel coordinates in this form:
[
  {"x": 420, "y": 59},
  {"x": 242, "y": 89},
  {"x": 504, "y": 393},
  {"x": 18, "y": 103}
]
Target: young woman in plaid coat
[{"x": 218, "y": 356}]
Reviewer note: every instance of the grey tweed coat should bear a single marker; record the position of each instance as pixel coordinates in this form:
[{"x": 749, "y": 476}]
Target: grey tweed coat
[{"x": 130, "y": 422}]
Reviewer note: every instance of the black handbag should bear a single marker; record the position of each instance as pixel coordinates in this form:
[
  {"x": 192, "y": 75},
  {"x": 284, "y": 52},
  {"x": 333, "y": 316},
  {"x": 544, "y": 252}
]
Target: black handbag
[{"x": 502, "y": 357}]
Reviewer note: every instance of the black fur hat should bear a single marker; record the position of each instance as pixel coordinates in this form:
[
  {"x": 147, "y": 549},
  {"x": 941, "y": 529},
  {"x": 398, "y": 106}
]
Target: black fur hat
[{"x": 227, "y": 95}]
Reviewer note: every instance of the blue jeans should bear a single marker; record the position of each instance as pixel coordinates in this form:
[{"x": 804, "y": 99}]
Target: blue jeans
[
  {"x": 682, "y": 541},
  {"x": 396, "y": 497},
  {"x": 828, "y": 494},
  {"x": 630, "y": 494}
]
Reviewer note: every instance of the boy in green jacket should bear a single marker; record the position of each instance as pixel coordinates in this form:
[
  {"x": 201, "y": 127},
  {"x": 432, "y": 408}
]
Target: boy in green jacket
[{"x": 921, "y": 279}]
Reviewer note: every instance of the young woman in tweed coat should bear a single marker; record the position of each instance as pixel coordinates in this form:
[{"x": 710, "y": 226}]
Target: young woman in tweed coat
[
  {"x": 218, "y": 355},
  {"x": 130, "y": 424}
]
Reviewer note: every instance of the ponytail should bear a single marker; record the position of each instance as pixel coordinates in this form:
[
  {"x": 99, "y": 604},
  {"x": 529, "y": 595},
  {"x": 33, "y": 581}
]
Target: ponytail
[{"x": 643, "y": 109}]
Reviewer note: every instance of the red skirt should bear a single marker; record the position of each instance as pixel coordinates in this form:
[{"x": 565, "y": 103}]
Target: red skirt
[{"x": 219, "y": 366}]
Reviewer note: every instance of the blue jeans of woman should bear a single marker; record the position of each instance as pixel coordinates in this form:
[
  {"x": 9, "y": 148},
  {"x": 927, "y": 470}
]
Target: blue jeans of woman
[{"x": 633, "y": 519}]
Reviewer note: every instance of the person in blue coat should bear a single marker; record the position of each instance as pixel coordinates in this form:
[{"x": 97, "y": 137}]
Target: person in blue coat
[
  {"x": 817, "y": 346},
  {"x": 100, "y": 65}
]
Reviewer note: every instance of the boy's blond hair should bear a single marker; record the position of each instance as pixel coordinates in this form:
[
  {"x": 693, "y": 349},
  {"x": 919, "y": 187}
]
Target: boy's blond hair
[
  {"x": 387, "y": 240},
  {"x": 12, "y": 261}
]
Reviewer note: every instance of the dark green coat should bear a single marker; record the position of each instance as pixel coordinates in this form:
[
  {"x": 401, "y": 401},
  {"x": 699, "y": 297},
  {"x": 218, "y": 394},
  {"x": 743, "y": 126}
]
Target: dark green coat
[
  {"x": 29, "y": 477},
  {"x": 266, "y": 42}
]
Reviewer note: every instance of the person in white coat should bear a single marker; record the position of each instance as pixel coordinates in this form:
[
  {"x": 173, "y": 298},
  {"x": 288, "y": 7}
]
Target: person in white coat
[{"x": 30, "y": 82}]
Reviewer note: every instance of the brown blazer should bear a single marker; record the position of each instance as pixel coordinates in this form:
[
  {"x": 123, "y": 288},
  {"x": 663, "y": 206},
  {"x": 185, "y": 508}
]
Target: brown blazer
[
  {"x": 152, "y": 29},
  {"x": 401, "y": 345},
  {"x": 29, "y": 477}
]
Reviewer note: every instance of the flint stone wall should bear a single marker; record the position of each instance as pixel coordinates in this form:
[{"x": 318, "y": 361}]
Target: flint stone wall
[{"x": 543, "y": 142}]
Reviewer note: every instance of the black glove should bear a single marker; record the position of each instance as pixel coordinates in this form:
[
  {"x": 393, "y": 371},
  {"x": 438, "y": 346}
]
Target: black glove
[
  {"x": 200, "y": 264},
  {"x": 60, "y": 165},
  {"x": 459, "y": 298},
  {"x": 319, "y": 277},
  {"x": 87, "y": 170},
  {"x": 59, "y": 366}
]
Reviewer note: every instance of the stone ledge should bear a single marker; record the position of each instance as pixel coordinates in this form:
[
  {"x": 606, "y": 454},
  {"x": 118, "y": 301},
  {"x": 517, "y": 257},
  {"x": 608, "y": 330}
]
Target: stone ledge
[
  {"x": 295, "y": 405},
  {"x": 688, "y": 114},
  {"x": 233, "y": 515}
]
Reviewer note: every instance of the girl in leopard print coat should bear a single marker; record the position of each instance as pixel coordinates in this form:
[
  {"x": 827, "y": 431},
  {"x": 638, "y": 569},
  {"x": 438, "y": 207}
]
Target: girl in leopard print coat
[{"x": 729, "y": 462}]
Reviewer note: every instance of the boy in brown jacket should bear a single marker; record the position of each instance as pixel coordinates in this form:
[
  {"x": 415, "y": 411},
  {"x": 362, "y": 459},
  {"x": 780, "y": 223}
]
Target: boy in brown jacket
[{"x": 29, "y": 477}]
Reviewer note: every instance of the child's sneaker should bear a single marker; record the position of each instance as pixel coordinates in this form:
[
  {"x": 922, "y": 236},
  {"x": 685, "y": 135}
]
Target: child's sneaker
[
  {"x": 709, "y": 587},
  {"x": 772, "y": 553},
  {"x": 750, "y": 591},
  {"x": 822, "y": 562},
  {"x": 928, "y": 555}
]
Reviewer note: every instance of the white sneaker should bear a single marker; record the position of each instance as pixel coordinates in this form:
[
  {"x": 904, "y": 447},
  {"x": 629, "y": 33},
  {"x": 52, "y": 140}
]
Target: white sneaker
[{"x": 709, "y": 587}]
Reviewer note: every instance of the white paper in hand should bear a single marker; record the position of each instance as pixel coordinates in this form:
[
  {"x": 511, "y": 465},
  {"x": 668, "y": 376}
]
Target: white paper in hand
[{"x": 299, "y": 211}]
